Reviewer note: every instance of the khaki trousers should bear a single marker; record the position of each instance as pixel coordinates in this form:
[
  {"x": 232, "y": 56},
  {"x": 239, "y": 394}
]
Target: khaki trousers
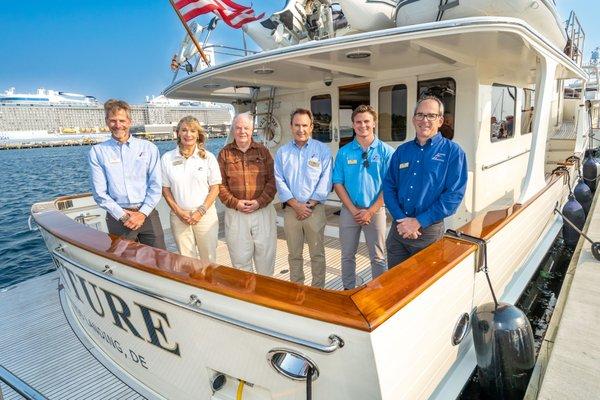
[
  {"x": 312, "y": 229},
  {"x": 200, "y": 240},
  {"x": 252, "y": 237}
]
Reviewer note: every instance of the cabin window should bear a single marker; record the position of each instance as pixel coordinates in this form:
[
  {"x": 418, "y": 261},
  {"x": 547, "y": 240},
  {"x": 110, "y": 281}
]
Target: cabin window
[
  {"x": 320, "y": 106},
  {"x": 527, "y": 111},
  {"x": 502, "y": 120},
  {"x": 445, "y": 90},
  {"x": 392, "y": 113}
]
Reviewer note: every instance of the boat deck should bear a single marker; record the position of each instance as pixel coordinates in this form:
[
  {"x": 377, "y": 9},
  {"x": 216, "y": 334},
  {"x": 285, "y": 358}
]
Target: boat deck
[
  {"x": 568, "y": 366},
  {"x": 39, "y": 346},
  {"x": 333, "y": 272}
]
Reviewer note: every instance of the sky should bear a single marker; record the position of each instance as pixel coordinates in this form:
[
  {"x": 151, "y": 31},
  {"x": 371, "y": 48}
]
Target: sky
[{"x": 123, "y": 49}]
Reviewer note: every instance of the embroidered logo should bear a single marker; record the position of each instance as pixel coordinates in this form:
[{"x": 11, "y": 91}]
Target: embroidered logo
[{"x": 439, "y": 157}]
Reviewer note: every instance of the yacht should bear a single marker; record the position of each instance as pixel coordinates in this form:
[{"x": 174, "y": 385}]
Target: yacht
[
  {"x": 46, "y": 97},
  {"x": 179, "y": 328}
]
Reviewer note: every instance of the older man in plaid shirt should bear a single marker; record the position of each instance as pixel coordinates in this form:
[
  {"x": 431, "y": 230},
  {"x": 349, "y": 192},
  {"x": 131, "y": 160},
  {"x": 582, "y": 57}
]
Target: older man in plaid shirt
[{"x": 247, "y": 191}]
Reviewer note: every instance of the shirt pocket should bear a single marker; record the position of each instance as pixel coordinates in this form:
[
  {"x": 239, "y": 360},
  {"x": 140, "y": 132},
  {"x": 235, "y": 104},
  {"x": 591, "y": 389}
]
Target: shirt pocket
[
  {"x": 436, "y": 170},
  {"x": 200, "y": 175},
  {"x": 141, "y": 165}
]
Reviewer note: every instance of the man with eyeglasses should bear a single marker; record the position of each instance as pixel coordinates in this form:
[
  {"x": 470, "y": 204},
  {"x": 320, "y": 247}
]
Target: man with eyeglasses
[
  {"x": 360, "y": 167},
  {"x": 425, "y": 183}
]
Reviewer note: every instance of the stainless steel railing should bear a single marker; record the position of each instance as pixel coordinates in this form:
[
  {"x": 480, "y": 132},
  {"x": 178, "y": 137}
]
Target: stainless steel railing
[{"x": 19, "y": 385}]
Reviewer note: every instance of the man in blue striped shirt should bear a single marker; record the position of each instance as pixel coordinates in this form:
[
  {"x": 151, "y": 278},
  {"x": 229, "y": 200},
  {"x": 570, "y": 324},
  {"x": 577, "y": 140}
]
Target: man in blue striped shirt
[
  {"x": 303, "y": 180},
  {"x": 425, "y": 183},
  {"x": 126, "y": 179}
]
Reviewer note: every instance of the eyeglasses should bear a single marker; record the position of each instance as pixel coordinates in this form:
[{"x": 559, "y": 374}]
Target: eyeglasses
[
  {"x": 365, "y": 156},
  {"x": 430, "y": 117}
]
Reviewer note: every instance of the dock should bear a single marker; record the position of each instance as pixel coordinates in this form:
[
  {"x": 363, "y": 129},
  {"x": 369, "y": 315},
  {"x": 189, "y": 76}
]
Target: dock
[
  {"x": 568, "y": 365},
  {"x": 39, "y": 346}
]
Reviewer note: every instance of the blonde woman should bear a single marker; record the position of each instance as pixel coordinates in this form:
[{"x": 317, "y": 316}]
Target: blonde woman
[{"x": 191, "y": 179}]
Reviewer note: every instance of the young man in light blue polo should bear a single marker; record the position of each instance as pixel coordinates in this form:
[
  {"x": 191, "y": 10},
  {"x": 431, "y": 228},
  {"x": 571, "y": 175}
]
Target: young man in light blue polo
[{"x": 360, "y": 167}]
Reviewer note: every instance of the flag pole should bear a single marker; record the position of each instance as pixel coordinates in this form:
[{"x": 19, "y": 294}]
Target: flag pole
[{"x": 189, "y": 31}]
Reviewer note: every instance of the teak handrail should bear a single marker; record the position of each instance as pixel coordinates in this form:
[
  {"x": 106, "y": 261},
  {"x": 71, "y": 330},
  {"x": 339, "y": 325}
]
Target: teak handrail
[{"x": 363, "y": 308}]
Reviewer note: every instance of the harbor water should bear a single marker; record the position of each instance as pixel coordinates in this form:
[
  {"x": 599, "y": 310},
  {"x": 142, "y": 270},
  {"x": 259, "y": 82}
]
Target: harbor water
[{"x": 34, "y": 175}]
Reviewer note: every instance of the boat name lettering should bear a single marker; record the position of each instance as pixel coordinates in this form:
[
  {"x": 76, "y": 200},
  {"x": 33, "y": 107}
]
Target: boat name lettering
[
  {"x": 133, "y": 356},
  {"x": 120, "y": 312}
]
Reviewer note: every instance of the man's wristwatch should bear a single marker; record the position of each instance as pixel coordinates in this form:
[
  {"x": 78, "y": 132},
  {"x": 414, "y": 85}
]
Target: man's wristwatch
[{"x": 124, "y": 218}]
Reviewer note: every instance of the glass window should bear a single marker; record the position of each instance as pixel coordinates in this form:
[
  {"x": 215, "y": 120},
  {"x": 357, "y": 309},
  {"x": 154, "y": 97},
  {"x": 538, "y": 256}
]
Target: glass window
[
  {"x": 392, "y": 113},
  {"x": 502, "y": 120},
  {"x": 320, "y": 106},
  {"x": 445, "y": 90},
  {"x": 527, "y": 111}
]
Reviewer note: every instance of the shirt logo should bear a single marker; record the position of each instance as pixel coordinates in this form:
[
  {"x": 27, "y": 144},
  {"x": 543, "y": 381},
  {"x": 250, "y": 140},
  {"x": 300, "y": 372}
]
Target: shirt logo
[
  {"x": 375, "y": 158},
  {"x": 403, "y": 165},
  {"x": 314, "y": 163},
  {"x": 439, "y": 157}
]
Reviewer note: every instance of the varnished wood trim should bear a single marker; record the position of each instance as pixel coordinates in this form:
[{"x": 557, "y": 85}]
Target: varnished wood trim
[
  {"x": 364, "y": 308},
  {"x": 325, "y": 305},
  {"x": 487, "y": 225},
  {"x": 383, "y": 297}
]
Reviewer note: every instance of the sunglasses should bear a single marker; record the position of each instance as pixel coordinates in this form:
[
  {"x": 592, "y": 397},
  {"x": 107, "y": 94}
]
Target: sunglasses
[{"x": 365, "y": 156}]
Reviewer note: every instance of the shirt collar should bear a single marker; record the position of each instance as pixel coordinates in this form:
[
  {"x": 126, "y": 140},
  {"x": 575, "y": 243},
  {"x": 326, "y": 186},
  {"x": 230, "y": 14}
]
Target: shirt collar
[
  {"x": 253, "y": 145},
  {"x": 308, "y": 142},
  {"x": 116, "y": 142},
  {"x": 195, "y": 154},
  {"x": 357, "y": 145},
  {"x": 435, "y": 139}
]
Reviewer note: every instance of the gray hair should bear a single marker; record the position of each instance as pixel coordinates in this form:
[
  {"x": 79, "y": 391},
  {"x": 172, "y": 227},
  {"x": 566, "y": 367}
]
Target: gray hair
[
  {"x": 245, "y": 115},
  {"x": 437, "y": 100}
]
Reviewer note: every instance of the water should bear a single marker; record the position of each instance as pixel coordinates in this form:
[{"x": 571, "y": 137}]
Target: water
[{"x": 33, "y": 175}]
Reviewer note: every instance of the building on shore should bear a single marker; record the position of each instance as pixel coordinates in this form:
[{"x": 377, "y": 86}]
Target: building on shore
[{"x": 61, "y": 113}]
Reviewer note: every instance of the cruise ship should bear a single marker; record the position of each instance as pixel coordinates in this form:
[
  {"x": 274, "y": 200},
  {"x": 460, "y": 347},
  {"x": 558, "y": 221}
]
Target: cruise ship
[{"x": 49, "y": 116}]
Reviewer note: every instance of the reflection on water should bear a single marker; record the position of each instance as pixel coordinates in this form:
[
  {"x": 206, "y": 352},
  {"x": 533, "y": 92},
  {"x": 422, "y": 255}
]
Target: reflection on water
[{"x": 33, "y": 175}]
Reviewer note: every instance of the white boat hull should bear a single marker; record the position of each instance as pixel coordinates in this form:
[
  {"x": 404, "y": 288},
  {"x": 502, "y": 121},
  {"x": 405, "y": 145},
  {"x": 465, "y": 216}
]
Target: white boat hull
[{"x": 144, "y": 324}]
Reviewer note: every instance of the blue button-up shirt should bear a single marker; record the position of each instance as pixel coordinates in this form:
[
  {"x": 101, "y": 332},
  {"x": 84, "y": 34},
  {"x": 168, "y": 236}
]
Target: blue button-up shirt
[
  {"x": 126, "y": 175},
  {"x": 426, "y": 182},
  {"x": 303, "y": 173},
  {"x": 363, "y": 184}
]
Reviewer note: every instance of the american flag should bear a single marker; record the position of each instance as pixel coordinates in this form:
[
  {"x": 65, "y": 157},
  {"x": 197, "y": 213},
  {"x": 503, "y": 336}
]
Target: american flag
[{"x": 233, "y": 14}]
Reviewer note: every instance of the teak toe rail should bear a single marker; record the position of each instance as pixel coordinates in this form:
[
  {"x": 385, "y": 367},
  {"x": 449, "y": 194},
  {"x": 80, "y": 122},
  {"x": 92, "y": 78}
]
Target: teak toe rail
[{"x": 363, "y": 308}]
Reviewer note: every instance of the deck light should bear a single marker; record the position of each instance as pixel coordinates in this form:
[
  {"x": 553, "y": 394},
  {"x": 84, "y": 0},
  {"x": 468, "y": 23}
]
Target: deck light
[
  {"x": 292, "y": 364},
  {"x": 264, "y": 71},
  {"x": 358, "y": 54}
]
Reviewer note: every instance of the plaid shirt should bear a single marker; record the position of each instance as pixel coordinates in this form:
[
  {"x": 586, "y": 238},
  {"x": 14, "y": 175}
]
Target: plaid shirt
[{"x": 246, "y": 176}]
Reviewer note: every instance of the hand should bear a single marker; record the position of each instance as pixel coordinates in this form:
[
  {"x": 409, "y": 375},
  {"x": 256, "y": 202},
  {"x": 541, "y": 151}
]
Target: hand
[
  {"x": 195, "y": 217},
  {"x": 135, "y": 221},
  {"x": 249, "y": 206},
  {"x": 363, "y": 216},
  {"x": 302, "y": 210},
  {"x": 183, "y": 216},
  {"x": 408, "y": 228},
  {"x": 414, "y": 235}
]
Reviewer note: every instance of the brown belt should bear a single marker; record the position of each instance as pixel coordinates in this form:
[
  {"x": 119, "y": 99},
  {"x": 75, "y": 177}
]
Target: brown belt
[{"x": 132, "y": 209}]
